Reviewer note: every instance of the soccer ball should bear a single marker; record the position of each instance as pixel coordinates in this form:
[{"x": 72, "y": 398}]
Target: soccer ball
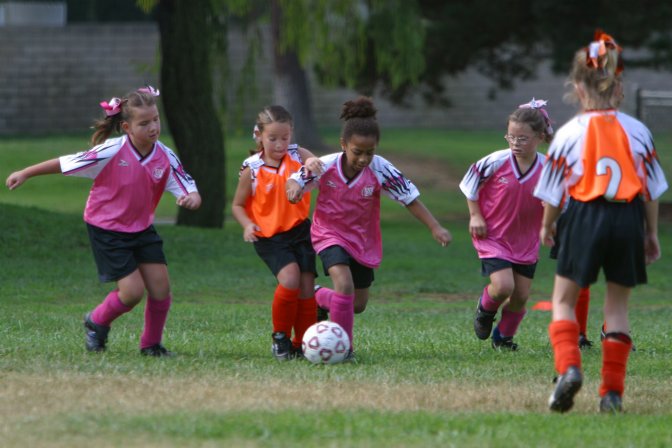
[{"x": 325, "y": 342}]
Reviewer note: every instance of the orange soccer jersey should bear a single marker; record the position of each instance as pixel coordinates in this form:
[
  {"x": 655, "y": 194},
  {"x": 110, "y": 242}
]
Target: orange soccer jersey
[
  {"x": 608, "y": 166},
  {"x": 602, "y": 153},
  {"x": 268, "y": 206}
]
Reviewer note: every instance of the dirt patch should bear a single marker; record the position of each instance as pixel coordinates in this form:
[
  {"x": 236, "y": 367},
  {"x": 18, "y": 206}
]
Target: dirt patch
[{"x": 428, "y": 173}]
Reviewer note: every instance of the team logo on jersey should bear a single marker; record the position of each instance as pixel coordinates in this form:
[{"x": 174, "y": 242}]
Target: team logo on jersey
[
  {"x": 122, "y": 162},
  {"x": 269, "y": 187},
  {"x": 503, "y": 180},
  {"x": 158, "y": 173},
  {"x": 367, "y": 191},
  {"x": 331, "y": 184}
]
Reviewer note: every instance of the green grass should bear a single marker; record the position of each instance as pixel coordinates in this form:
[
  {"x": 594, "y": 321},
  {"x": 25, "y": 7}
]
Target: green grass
[{"x": 421, "y": 379}]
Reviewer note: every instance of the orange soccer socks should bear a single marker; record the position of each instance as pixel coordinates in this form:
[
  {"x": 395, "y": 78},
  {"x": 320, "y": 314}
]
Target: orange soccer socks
[
  {"x": 615, "y": 351},
  {"x": 285, "y": 303},
  {"x": 306, "y": 315},
  {"x": 564, "y": 334},
  {"x": 582, "y": 305}
]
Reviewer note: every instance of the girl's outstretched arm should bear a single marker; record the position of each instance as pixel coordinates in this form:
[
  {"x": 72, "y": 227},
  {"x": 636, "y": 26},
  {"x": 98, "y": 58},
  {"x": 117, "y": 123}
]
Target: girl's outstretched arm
[
  {"x": 422, "y": 214},
  {"x": 17, "y": 178}
]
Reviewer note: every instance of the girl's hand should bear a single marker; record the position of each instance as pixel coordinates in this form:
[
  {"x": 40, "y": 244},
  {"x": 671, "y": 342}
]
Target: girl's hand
[
  {"x": 249, "y": 233},
  {"x": 442, "y": 235},
  {"x": 191, "y": 201},
  {"x": 547, "y": 236},
  {"x": 16, "y": 179},
  {"x": 294, "y": 191},
  {"x": 314, "y": 165},
  {"x": 477, "y": 227},
  {"x": 651, "y": 248}
]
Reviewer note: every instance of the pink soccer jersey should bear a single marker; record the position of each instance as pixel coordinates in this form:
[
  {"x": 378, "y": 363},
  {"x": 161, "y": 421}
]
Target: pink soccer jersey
[
  {"x": 347, "y": 212},
  {"x": 127, "y": 187},
  {"x": 512, "y": 214}
]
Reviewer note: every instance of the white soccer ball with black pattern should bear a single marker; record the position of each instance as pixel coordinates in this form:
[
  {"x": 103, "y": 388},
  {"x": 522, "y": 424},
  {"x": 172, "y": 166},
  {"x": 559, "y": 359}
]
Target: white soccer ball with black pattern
[{"x": 325, "y": 342}]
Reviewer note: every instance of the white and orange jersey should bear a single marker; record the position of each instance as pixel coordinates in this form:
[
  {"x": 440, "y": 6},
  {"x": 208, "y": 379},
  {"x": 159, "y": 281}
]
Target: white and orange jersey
[
  {"x": 268, "y": 205},
  {"x": 127, "y": 186},
  {"x": 605, "y": 154}
]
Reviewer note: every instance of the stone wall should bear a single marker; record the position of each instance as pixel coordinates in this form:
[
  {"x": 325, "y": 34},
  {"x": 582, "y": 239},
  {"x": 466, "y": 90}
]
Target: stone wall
[{"x": 52, "y": 78}]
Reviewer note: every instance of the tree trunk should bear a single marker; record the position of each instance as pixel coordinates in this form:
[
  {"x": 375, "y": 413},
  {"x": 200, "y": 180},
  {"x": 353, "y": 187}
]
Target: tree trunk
[
  {"x": 291, "y": 88},
  {"x": 186, "y": 93}
]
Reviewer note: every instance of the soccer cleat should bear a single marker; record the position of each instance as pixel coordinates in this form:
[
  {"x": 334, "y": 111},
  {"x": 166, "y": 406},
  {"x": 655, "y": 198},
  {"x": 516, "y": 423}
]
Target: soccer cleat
[
  {"x": 96, "y": 335},
  {"x": 584, "y": 342},
  {"x": 500, "y": 342},
  {"x": 296, "y": 353},
  {"x": 157, "y": 351},
  {"x": 566, "y": 386},
  {"x": 350, "y": 357},
  {"x": 483, "y": 322},
  {"x": 282, "y": 346},
  {"x": 322, "y": 314},
  {"x": 611, "y": 403}
]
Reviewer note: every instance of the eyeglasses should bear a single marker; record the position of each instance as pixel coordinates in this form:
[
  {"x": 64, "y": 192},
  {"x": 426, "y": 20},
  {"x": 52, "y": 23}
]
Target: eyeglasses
[{"x": 513, "y": 140}]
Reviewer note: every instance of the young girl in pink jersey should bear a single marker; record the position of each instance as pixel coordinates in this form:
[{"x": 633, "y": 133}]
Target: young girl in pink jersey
[
  {"x": 279, "y": 230},
  {"x": 504, "y": 221},
  {"x": 346, "y": 222},
  {"x": 130, "y": 173}
]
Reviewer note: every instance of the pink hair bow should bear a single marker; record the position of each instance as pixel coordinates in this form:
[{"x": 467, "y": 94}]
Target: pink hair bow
[
  {"x": 113, "y": 107},
  {"x": 540, "y": 105},
  {"x": 150, "y": 90}
]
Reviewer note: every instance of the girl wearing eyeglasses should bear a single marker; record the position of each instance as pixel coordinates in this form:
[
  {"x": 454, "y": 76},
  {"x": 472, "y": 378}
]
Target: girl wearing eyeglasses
[{"x": 504, "y": 222}]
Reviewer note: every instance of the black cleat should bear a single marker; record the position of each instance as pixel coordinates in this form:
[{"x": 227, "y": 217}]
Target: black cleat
[
  {"x": 611, "y": 403},
  {"x": 584, "y": 342},
  {"x": 500, "y": 342},
  {"x": 282, "y": 346},
  {"x": 567, "y": 385},
  {"x": 322, "y": 313},
  {"x": 157, "y": 350},
  {"x": 296, "y": 353},
  {"x": 96, "y": 335},
  {"x": 483, "y": 322}
]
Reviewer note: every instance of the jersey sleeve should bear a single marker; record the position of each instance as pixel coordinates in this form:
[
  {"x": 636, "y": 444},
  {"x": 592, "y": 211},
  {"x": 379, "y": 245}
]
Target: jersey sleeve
[
  {"x": 393, "y": 183},
  {"x": 479, "y": 172},
  {"x": 562, "y": 167},
  {"x": 307, "y": 179},
  {"x": 90, "y": 163},
  {"x": 649, "y": 168},
  {"x": 179, "y": 182}
]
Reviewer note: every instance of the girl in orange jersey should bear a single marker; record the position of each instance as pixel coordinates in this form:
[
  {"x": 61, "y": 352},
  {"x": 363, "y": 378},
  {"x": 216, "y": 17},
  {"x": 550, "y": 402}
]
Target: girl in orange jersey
[
  {"x": 606, "y": 162},
  {"x": 279, "y": 230}
]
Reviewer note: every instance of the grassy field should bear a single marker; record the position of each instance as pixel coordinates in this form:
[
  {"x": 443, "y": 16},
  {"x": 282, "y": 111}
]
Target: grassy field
[{"x": 421, "y": 376}]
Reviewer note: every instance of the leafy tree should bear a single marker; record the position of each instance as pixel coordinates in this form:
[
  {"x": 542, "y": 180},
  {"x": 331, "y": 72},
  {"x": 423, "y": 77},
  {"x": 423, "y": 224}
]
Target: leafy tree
[
  {"x": 291, "y": 86},
  {"x": 504, "y": 40}
]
